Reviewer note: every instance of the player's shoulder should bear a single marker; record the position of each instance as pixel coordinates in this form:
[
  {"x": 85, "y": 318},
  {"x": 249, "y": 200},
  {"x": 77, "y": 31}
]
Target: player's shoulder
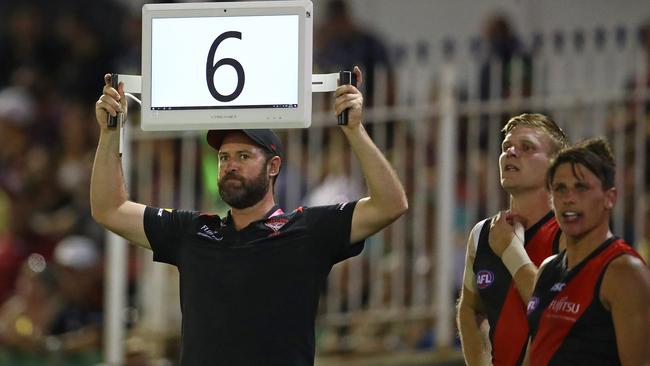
[
  {"x": 476, "y": 230},
  {"x": 475, "y": 235},
  {"x": 627, "y": 266},
  {"x": 625, "y": 275}
]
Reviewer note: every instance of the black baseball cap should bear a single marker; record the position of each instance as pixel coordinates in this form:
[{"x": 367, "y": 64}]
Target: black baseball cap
[{"x": 263, "y": 137}]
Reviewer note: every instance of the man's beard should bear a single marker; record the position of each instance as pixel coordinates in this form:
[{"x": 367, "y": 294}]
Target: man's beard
[{"x": 250, "y": 192}]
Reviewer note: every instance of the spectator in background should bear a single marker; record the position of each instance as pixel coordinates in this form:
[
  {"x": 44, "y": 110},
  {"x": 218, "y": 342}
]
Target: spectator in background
[
  {"x": 44, "y": 158},
  {"x": 22, "y": 172},
  {"x": 26, "y": 317},
  {"x": 25, "y": 42},
  {"x": 86, "y": 50},
  {"x": 77, "y": 328},
  {"x": 336, "y": 184},
  {"x": 503, "y": 46},
  {"x": 16, "y": 118},
  {"x": 340, "y": 43},
  {"x": 19, "y": 240},
  {"x": 74, "y": 163},
  {"x": 636, "y": 83},
  {"x": 625, "y": 125},
  {"x": 503, "y": 49}
]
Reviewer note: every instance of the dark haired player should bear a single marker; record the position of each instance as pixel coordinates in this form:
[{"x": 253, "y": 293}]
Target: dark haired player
[{"x": 591, "y": 303}]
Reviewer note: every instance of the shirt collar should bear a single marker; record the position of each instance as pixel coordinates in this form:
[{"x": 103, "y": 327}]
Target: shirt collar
[{"x": 274, "y": 211}]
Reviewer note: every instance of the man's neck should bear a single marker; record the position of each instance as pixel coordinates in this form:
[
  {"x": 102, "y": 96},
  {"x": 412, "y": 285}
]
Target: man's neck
[
  {"x": 243, "y": 217},
  {"x": 531, "y": 205},
  {"x": 578, "y": 248}
]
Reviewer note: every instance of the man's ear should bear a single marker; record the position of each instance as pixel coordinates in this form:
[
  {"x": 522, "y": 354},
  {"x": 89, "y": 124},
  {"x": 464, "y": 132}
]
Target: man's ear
[
  {"x": 610, "y": 198},
  {"x": 274, "y": 166}
]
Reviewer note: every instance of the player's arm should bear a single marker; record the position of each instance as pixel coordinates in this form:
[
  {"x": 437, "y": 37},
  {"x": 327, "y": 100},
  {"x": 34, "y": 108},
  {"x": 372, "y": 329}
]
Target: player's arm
[
  {"x": 509, "y": 246},
  {"x": 524, "y": 280},
  {"x": 625, "y": 291},
  {"x": 387, "y": 199},
  {"x": 474, "y": 341},
  {"x": 108, "y": 198},
  {"x": 470, "y": 314}
]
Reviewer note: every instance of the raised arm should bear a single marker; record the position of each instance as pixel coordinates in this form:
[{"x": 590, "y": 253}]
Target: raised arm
[
  {"x": 625, "y": 291},
  {"x": 108, "y": 198},
  {"x": 387, "y": 199},
  {"x": 509, "y": 246},
  {"x": 470, "y": 315}
]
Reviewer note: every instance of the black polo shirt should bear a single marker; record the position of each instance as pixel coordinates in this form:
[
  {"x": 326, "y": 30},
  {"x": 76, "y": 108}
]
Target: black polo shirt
[{"x": 250, "y": 297}]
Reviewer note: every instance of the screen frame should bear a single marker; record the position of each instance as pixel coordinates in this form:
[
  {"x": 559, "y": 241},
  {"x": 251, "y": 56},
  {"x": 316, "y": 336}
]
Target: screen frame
[{"x": 230, "y": 118}]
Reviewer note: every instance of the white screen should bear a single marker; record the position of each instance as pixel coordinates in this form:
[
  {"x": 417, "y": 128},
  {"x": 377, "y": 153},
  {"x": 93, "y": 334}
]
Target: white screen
[{"x": 267, "y": 51}]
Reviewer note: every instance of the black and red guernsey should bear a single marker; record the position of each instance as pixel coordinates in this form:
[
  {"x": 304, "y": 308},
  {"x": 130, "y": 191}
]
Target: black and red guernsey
[
  {"x": 506, "y": 311},
  {"x": 568, "y": 323}
]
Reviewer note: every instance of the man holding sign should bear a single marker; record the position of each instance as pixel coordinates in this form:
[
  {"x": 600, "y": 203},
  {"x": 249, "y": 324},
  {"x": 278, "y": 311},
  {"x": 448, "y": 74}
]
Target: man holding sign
[{"x": 250, "y": 282}]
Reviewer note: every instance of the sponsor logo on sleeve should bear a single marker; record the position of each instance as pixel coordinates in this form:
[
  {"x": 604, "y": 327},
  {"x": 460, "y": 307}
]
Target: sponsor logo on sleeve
[
  {"x": 484, "y": 279},
  {"x": 206, "y": 232},
  {"x": 160, "y": 211}
]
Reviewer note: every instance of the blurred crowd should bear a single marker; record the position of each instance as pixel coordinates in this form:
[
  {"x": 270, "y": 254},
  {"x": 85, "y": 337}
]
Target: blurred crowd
[{"x": 52, "y": 58}]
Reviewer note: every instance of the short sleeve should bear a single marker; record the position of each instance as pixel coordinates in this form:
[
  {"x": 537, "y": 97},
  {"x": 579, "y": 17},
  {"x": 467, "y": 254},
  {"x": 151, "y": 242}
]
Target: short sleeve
[
  {"x": 165, "y": 229},
  {"x": 330, "y": 227}
]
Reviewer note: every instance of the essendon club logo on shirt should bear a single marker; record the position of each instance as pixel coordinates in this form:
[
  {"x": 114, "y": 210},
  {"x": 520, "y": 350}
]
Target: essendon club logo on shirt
[
  {"x": 275, "y": 224},
  {"x": 484, "y": 279}
]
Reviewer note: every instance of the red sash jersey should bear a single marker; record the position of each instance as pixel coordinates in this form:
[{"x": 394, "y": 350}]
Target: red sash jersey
[
  {"x": 569, "y": 325},
  {"x": 506, "y": 311},
  {"x": 250, "y": 297}
]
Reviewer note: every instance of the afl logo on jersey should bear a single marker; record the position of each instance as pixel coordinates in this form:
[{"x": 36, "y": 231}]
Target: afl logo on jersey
[
  {"x": 532, "y": 304},
  {"x": 484, "y": 279}
]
